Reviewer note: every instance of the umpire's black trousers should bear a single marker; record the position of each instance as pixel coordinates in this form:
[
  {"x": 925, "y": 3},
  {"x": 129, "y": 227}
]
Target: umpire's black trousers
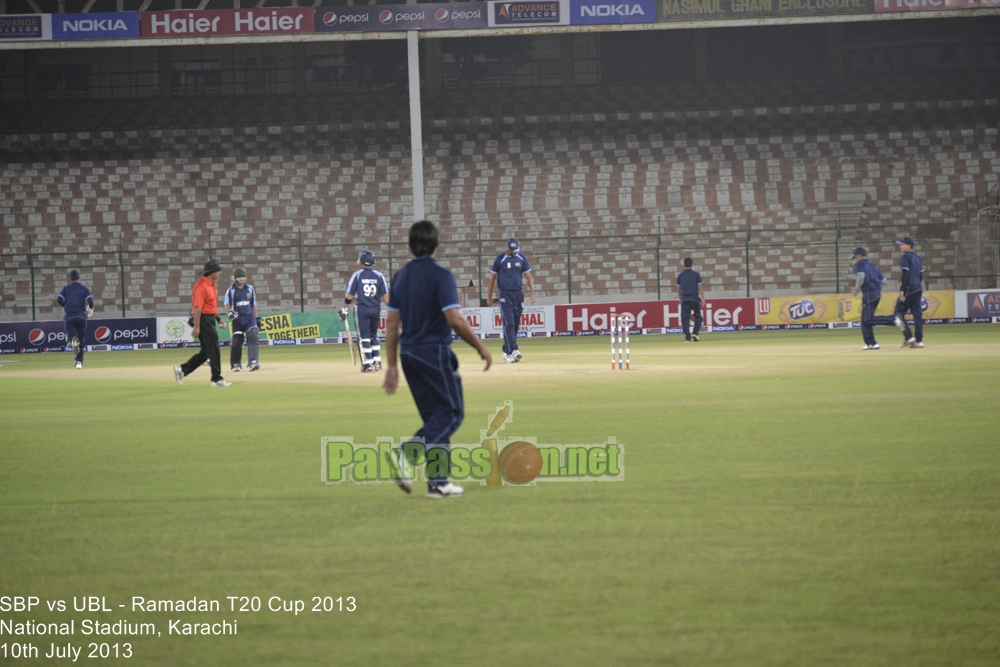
[{"x": 209, "y": 339}]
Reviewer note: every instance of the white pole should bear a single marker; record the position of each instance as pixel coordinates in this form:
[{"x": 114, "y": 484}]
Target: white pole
[{"x": 416, "y": 130}]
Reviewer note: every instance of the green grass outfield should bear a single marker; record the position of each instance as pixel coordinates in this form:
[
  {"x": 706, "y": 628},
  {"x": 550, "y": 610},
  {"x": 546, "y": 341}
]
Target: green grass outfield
[{"x": 788, "y": 500}]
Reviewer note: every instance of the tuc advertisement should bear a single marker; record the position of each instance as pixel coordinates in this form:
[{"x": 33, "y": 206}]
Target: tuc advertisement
[{"x": 827, "y": 308}]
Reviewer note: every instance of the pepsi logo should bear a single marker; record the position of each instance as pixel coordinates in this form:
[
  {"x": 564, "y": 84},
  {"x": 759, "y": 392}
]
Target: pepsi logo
[
  {"x": 103, "y": 334},
  {"x": 441, "y": 15},
  {"x": 330, "y": 19},
  {"x": 36, "y": 337},
  {"x": 385, "y": 17}
]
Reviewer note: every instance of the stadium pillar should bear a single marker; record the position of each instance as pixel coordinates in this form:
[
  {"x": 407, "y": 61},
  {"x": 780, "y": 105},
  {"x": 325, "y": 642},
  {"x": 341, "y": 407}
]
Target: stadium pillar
[
  {"x": 302, "y": 278},
  {"x": 746, "y": 255},
  {"x": 31, "y": 271},
  {"x": 569, "y": 270},
  {"x": 121, "y": 272},
  {"x": 659, "y": 278},
  {"x": 416, "y": 130}
]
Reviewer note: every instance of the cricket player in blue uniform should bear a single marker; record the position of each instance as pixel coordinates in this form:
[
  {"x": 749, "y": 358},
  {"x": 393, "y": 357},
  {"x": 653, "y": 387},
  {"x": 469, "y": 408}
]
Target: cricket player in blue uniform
[
  {"x": 423, "y": 300},
  {"x": 508, "y": 270},
  {"x": 241, "y": 306},
  {"x": 911, "y": 294},
  {"x": 367, "y": 289},
  {"x": 78, "y": 304},
  {"x": 868, "y": 282},
  {"x": 691, "y": 291}
]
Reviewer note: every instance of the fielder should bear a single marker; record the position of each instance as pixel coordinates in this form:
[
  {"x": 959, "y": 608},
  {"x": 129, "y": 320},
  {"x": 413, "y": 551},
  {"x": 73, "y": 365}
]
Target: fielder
[
  {"x": 691, "y": 292},
  {"x": 367, "y": 289},
  {"x": 78, "y": 303},
  {"x": 869, "y": 283},
  {"x": 241, "y": 304},
  {"x": 911, "y": 293},
  {"x": 424, "y": 302},
  {"x": 508, "y": 269}
]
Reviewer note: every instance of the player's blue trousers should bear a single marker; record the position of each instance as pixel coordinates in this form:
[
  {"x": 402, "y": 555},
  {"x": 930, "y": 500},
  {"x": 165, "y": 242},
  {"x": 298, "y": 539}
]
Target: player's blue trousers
[
  {"x": 368, "y": 320},
  {"x": 869, "y": 304},
  {"x": 511, "y": 306},
  {"x": 912, "y": 305},
  {"x": 77, "y": 327},
  {"x": 242, "y": 326},
  {"x": 432, "y": 373},
  {"x": 689, "y": 307}
]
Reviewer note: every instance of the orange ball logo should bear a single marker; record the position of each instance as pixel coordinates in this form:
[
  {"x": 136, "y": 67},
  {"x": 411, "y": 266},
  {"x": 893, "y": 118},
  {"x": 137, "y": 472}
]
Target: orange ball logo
[{"x": 520, "y": 462}]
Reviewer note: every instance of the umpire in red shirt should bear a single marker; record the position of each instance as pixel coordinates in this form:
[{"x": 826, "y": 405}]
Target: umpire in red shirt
[{"x": 205, "y": 317}]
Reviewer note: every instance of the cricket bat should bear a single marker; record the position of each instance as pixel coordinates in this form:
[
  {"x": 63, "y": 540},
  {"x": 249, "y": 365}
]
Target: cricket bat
[{"x": 350, "y": 339}]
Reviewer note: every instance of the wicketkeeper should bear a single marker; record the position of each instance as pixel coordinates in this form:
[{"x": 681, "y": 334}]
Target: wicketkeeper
[{"x": 241, "y": 304}]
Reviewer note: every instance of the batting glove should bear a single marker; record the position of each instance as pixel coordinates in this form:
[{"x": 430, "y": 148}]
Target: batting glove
[
  {"x": 231, "y": 315},
  {"x": 90, "y": 311},
  {"x": 343, "y": 314}
]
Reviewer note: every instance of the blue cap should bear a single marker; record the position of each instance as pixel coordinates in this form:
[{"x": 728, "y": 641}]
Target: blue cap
[
  {"x": 74, "y": 275},
  {"x": 367, "y": 258},
  {"x": 513, "y": 244},
  {"x": 860, "y": 251},
  {"x": 906, "y": 240}
]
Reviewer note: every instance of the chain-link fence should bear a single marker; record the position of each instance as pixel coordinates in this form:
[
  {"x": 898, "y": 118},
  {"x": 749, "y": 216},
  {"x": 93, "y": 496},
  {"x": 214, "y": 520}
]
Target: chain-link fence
[{"x": 303, "y": 276}]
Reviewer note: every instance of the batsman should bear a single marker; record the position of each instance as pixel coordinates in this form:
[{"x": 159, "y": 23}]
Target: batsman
[
  {"x": 367, "y": 288},
  {"x": 241, "y": 304}
]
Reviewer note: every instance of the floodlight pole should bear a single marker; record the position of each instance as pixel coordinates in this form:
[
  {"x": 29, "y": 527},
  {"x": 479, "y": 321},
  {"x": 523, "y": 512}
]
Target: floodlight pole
[{"x": 416, "y": 129}]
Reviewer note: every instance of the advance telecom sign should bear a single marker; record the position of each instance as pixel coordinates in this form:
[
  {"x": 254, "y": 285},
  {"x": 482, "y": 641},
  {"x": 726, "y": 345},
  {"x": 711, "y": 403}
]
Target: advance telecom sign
[{"x": 604, "y": 12}]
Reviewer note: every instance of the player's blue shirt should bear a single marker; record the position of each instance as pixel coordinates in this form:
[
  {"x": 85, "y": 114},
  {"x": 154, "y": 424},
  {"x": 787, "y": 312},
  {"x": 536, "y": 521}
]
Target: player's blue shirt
[
  {"x": 509, "y": 270},
  {"x": 688, "y": 280},
  {"x": 910, "y": 260},
  {"x": 75, "y": 296},
  {"x": 241, "y": 300},
  {"x": 872, "y": 286},
  {"x": 367, "y": 287},
  {"x": 420, "y": 293}
]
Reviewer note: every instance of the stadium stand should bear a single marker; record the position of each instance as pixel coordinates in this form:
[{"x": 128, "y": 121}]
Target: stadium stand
[{"x": 609, "y": 186}]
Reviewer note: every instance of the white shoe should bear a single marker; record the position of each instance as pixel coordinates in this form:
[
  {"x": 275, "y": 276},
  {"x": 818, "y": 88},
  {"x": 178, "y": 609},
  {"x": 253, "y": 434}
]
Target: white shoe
[
  {"x": 900, "y": 323},
  {"x": 75, "y": 344},
  {"x": 874, "y": 347},
  {"x": 507, "y": 359},
  {"x": 235, "y": 369},
  {"x": 517, "y": 355},
  {"x": 918, "y": 344},
  {"x": 912, "y": 342},
  {"x": 694, "y": 337},
  {"x": 79, "y": 365},
  {"x": 222, "y": 383},
  {"x": 179, "y": 375},
  {"x": 446, "y": 490},
  {"x": 254, "y": 367}
]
